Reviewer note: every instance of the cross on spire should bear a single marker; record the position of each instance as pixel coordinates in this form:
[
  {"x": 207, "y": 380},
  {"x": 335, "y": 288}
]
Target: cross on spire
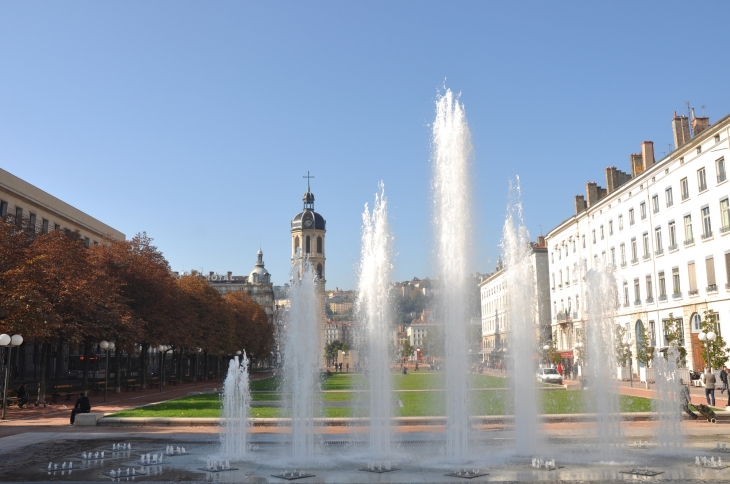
[{"x": 308, "y": 177}]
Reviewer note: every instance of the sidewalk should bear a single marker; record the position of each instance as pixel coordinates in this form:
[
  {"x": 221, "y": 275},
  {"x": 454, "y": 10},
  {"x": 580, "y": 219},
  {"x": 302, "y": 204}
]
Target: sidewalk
[{"x": 19, "y": 420}]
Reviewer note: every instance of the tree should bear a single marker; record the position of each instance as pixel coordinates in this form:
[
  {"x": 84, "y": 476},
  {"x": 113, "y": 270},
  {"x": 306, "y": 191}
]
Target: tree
[
  {"x": 407, "y": 349},
  {"x": 551, "y": 354},
  {"x": 674, "y": 335},
  {"x": 623, "y": 350},
  {"x": 644, "y": 350},
  {"x": 433, "y": 343},
  {"x": 713, "y": 352}
]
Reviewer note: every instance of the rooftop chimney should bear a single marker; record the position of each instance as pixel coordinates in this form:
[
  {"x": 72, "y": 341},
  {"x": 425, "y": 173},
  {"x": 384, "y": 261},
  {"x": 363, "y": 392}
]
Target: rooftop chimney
[
  {"x": 580, "y": 204},
  {"x": 615, "y": 178},
  {"x": 541, "y": 241},
  {"x": 594, "y": 193},
  {"x": 699, "y": 124},
  {"x": 647, "y": 154},
  {"x": 680, "y": 127}
]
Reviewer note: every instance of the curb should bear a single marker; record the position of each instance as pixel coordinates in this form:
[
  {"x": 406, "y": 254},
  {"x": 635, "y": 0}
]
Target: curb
[{"x": 354, "y": 421}]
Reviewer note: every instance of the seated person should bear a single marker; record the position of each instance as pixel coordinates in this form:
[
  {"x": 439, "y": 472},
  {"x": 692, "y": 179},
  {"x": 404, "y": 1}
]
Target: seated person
[
  {"x": 23, "y": 397},
  {"x": 83, "y": 405}
]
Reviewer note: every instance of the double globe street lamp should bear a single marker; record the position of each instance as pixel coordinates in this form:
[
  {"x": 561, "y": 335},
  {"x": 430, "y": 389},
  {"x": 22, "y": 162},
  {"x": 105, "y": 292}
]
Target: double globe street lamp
[
  {"x": 707, "y": 338},
  {"x": 107, "y": 346},
  {"x": 8, "y": 342}
]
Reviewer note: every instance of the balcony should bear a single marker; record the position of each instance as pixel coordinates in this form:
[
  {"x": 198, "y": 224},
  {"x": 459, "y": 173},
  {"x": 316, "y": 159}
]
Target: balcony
[
  {"x": 575, "y": 314},
  {"x": 689, "y": 241},
  {"x": 727, "y": 287},
  {"x": 623, "y": 264},
  {"x": 634, "y": 260},
  {"x": 649, "y": 300},
  {"x": 563, "y": 316},
  {"x": 672, "y": 247},
  {"x": 712, "y": 288},
  {"x": 694, "y": 292},
  {"x": 707, "y": 235},
  {"x": 663, "y": 297},
  {"x": 659, "y": 252},
  {"x": 677, "y": 295},
  {"x": 637, "y": 302},
  {"x": 724, "y": 228},
  {"x": 647, "y": 256}
]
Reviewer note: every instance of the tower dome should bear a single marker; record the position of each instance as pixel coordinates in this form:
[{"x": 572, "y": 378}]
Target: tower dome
[{"x": 259, "y": 274}]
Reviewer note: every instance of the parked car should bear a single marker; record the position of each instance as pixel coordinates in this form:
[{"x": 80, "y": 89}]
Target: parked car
[{"x": 549, "y": 375}]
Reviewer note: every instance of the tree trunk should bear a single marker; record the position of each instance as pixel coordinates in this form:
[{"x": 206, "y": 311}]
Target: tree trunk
[
  {"x": 59, "y": 359},
  {"x": 143, "y": 366},
  {"x": 195, "y": 367},
  {"x": 85, "y": 366},
  {"x": 36, "y": 360},
  {"x": 21, "y": 361},
  {"x": 117, "y": 370},
  {"x": 205, "y": 366},
  {"x": 42, "y": 373}
]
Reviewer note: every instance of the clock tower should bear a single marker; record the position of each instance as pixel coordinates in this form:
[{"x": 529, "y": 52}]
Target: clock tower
[{"x": 308, "y": 234}]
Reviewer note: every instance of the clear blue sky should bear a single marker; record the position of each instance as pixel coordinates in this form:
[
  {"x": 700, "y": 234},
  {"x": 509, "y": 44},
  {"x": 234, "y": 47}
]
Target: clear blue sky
[{"x": 195, "y": 121}]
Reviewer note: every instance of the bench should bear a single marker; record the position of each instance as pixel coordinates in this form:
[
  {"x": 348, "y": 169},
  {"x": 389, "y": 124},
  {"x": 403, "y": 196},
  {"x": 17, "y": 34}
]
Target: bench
[
  {"x": 88, "y": 419},
  {"x": 131, "y": 384}
]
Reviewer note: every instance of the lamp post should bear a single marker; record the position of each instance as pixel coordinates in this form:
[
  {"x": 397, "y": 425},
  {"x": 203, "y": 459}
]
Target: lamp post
[
  {"x": 162, "y": 349},
  {"x": 8, "y": 342},
  {"x": 197, "y": 364},
  {"x": 104, "y": 345},
  {"x": 631, "y": 371},
  {"x": 707, "y": 338}
]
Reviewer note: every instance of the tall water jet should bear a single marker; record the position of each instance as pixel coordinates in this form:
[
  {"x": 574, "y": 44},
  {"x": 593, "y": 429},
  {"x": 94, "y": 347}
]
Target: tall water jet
[
  {"x": 301, "y": 357},
  {"x": 373, "y": 309},
  {"x": 452, "y": 154},
  {"x": 236, "y": 402},
  {"x": 521, "y": 280},
  {"x": 601, "y": 303},
  {"x": 668, "y": 399}
]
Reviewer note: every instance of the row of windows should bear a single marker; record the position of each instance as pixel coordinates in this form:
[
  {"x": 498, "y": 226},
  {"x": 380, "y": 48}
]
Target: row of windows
[
  {"x": 689, "y": 240},
  {"x": 308, "y": 244},
  {"x": 33, "y": 220},
  {"x": 721, "y": 174}
]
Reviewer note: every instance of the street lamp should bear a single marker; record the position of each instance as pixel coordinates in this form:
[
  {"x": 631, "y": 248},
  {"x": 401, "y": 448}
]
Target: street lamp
[
  {"x": 707, "y": 338},
  {"x": 8, "y": 342},
  {"x": 104, "y": 345},
  {"x": 162, "y": 349}
]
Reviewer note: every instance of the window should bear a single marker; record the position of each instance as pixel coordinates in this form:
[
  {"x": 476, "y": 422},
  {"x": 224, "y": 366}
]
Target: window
[
  {"x": 667, "y": 328},
  {"x": 567, "y": 276},
  {"x": 319, "y": 245},
  {"x": 634, "y": 251},
  {"x": 637, "y": 292},
  {"x": 86, "y": 241},
  {"x": 720, "y": 167},
  {"x": 553, "y": 281},
  {"x": 574, "y": 246},
  {"x": 3, "y": 208},
  {"x": 717, "y": 138},
  {"x": 613, "y": 256},
  {"x": 626, "y": 293},
  {"x": 649, "y": 289},
  {"x": 710, "y": 271},
  {"x": 610, "y": 227},
  {"x": 658, "y": 240},
  {"x": 684, "y": 184},
  {"x": 58, "y": 227},
  {"x": 672, "y": 236},
  {"x": 566, "y": 249},
  {"x": 44, "y": 226},
  {"x": 620, "y": 222},
  {"x": 699, "y": 149},
  {"x": 696, "y": 323},
  {"x": 724, "y": 216},
  {"x": 32, "y": 220},
  {"x": 642, "y": 210},
  {"x": 584, "y": 241},
  {"x": 308, "y": 244},
  {"x": 560, "y": 254},
  {"x": 645, "y": 240},
  {"x": 552, "y": 256},
  {"x": 727, "y": 268},
  {"x": 669, "y": 197},
  {"x": 601, "y": 232},
  {"x": 706, "y": 225},
  {"x": 631, "y": 216},
  {"x": 662, "y": 286},
  {"x": 688, "y": 236},
  {"x": 701, "y": 179},
  {"x": 676, "y": 290},
  {"x": 623, "y": 255},
  {"x": 319, "y": 271},
  {"x": 561, "y": 278},
  {"x": 18, "y": 213},
  {"x": 577, "y": 303},
  {"x": 655, "y": 203},
  {"x": 692, "y": 275},
  {"x": 594, "y": 236}
]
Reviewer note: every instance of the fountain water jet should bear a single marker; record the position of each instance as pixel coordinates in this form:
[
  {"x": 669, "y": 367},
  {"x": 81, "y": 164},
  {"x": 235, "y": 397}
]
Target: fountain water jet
[
  {"x": 452, "y": 154},
  {"x": 667, "y": 399},
  {"x": 301, "y": 357},
  {"x": 236, "y": 403},
  {"x": 373, "y": 309},
  {"x": 601, "y": 301},
  {"x": 522, "y": 309}
]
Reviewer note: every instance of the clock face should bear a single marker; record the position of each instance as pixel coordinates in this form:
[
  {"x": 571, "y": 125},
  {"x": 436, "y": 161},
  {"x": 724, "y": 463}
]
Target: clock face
[{"x": 308, "y": 223}]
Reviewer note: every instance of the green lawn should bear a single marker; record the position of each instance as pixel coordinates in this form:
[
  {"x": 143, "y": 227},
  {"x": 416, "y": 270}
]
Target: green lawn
[{"x": 414, "y": 404}]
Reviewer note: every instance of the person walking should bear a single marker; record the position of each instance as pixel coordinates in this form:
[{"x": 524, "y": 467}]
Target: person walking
[
  {"x": 710, "y": 381},
  {"x": 723, "y": 379},
  {"x": 684, "y": 399},
  {"x": 83, "y": 405}
]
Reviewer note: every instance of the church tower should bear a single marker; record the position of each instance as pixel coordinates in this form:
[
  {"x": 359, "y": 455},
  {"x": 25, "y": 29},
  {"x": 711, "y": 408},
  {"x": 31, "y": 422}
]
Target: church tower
[{"x": 308, "y": 234}]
